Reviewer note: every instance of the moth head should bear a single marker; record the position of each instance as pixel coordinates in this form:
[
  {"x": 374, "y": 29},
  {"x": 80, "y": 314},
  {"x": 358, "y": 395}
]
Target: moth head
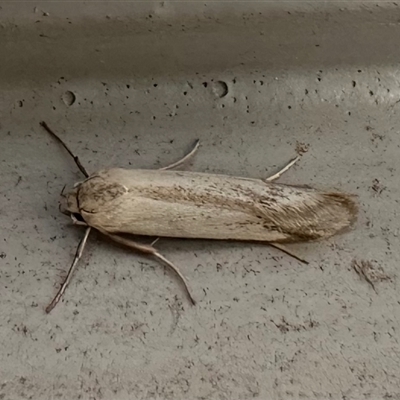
[{"x": 69, "y": 202}]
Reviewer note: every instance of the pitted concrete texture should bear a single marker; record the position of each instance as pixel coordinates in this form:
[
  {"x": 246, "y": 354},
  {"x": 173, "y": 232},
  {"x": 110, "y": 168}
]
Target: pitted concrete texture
[{"x": 133, "y": 86}]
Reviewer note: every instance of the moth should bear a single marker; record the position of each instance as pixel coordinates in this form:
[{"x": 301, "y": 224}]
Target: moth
[{"x": 194, "y": 205}]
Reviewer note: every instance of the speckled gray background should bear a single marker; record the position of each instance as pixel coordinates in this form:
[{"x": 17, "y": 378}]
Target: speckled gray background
[{"x": 133, "y": 85}]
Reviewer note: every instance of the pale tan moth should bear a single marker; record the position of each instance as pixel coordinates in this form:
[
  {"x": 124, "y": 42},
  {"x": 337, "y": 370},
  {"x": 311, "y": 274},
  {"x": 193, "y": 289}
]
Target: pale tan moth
[{"x": 194, "y": 205}]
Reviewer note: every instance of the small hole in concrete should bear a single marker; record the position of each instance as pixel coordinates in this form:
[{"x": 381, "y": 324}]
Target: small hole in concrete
[
  {"x": 353, "y": 83},
  {"x": 128, "y": 86},
  {"x": 20, "y": 103},
  {"x": 220, "y": 89},
  {"x": 371, "y": 93},
  {"x": 155, "y": 84},
  {"x": 68, "y": 98},
  {"x": 289, "y": 107},
  {"x": 306, "y": 91},
  {"x": 319, "y": 79},
  {"x": 205, "y": 84}
]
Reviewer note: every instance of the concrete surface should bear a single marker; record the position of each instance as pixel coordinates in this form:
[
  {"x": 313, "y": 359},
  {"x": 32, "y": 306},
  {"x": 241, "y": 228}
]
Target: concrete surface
[{"x": 133, "y": 86}]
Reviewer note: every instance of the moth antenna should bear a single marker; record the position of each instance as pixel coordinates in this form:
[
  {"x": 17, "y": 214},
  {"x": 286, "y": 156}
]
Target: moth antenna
[
  {"x": 64, "y": 285},
  {"x": 76, "y": 158}
]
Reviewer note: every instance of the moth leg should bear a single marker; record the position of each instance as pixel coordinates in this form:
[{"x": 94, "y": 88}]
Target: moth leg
[
  {"x": 76, "y": 159},
  {"x": 160, "y": 257},
  {"x": 283, "y": 170},
  {"x": 64, "y": 285},
  {"x": 182, "y": 160},
  {"x": 153, "y": 252},
  {"x": 283, "y": 248},
  {"x": 154, "y": 242},
  {"x": 75, "y": 221}
]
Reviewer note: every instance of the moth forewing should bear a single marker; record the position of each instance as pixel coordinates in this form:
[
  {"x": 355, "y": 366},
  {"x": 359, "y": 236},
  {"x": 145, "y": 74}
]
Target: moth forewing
[{"x": 209, "y": 206}]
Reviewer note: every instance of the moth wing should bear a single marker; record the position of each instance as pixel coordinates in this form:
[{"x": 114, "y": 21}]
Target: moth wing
[{"x": 196, "y": 205}]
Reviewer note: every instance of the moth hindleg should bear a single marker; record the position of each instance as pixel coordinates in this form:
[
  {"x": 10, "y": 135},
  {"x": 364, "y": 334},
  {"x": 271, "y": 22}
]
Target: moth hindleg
[{"x": 283, "y": 248}]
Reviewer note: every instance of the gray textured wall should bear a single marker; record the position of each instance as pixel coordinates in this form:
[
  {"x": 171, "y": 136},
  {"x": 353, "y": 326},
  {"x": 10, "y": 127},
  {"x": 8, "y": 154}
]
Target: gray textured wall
[{"x": 133, "y": 85}]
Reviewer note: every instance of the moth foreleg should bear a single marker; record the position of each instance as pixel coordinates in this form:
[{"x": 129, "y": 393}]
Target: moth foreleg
[
  {"x": 75, "y": 221},
  {"x": 64, "y": 285}
]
